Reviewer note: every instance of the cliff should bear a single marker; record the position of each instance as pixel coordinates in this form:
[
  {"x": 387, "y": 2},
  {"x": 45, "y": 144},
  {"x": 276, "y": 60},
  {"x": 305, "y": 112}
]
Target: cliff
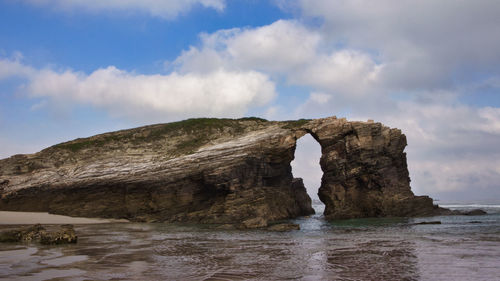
[{"x": 216, "y": 171}]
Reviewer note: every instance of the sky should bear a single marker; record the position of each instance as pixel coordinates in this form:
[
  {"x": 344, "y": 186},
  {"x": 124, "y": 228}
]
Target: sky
[{"x": 75, "y": 68}]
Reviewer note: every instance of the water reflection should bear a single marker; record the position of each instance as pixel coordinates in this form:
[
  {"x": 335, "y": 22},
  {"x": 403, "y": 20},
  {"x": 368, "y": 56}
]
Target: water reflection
[
  {"x": 348, "y": 250},
  {"x": 385, "y": 260}
]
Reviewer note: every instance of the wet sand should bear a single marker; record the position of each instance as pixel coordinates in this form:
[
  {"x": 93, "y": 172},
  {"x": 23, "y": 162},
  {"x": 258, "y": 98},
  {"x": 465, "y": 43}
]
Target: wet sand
[
  {"x": 358, "y": 249},
  {"x": 46, "y": 218},
  {"x": 362, "y": 249}
]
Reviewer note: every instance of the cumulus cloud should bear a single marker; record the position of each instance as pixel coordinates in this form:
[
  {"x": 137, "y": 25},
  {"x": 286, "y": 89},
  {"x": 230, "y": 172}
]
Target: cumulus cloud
[
  {"x": 14, "y": 68},
  {"x": 279, "y": 47},
  {"x": 150, "y": 97},
  {"x": 164, "y": 9},
  {"x": 288, "y": 49},
  {"x": 422, "y": 43},
  {"x": 345, "y": 71}
]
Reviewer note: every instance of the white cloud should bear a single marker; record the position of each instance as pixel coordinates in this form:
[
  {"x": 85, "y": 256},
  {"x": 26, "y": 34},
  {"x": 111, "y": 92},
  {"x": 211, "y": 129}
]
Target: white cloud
[
  {"x": 152, "y": 97},
  {"x": 284, "y": 48},
  {"x": 422, "y": 43},
  {"x": 14, "y": 68},
  {"x": 168, "y": 9},
  {"x": 200, "y": 61},
  {"x": 320, "y": 98},
  {"x": 473, "y": 174},
  {"x": 451, "y": 147},
  {"x": 279, "y": 47},
  {"x": 345, "y": 71},
  {"x": 491, "y": 120}
]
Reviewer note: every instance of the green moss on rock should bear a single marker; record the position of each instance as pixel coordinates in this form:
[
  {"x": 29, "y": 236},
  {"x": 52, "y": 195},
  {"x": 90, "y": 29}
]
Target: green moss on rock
[
  {"x": 296, "y": 123},
  {"x": 198, "y": 131}
]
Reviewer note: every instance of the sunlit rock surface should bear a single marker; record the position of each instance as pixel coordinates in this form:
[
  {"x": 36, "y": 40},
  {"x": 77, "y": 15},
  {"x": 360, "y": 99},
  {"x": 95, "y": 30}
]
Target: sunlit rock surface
[{"x": 216, "y": 171}]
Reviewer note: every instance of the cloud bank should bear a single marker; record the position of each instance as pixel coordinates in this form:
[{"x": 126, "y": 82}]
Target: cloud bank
[{"x": 148, "y": 97}]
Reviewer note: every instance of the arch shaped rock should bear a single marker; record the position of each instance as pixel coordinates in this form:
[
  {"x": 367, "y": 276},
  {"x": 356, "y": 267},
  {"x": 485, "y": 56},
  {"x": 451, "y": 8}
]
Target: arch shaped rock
[{"x": 216, "y": 171}]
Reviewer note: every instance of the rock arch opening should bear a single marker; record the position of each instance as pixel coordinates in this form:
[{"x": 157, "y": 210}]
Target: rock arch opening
[{"x": 306, "y": 165}]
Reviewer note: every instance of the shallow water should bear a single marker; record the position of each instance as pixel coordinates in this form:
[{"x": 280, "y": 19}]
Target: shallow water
[{"x": 461, "y": 248}]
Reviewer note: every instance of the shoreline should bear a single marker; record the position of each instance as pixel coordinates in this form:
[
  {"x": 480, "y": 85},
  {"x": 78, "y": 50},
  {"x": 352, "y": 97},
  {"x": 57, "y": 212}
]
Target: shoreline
[{"x": 20, "y": 218}]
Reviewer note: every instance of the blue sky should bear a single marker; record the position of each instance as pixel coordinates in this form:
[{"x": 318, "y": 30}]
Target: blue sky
[
  {"x": 74, "y": 68},
  {"x": 129, "y": 40}
]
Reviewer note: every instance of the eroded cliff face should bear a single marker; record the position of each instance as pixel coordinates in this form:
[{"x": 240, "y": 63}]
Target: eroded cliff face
[{"x": 215, "y": 171}]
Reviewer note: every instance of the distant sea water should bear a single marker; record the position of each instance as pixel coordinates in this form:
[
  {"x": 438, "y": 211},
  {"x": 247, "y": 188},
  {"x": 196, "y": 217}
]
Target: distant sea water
[
  {"x": 489, "y": 208},
  {"x": 460, "y": 248}
]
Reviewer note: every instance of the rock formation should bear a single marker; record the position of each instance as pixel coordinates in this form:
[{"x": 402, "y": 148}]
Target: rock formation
[
  {"x": 37, "y": 233},
  {"x": 216, "y": 171},
  {"x": 364, "y": 171}
]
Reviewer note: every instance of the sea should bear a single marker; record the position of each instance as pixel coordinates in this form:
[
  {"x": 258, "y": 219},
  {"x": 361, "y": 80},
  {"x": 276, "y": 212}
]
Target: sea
[{"x": 460, "y": 248}]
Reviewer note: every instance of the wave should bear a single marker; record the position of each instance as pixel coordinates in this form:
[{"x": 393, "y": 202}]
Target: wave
[{"x": 469, "y": 205}]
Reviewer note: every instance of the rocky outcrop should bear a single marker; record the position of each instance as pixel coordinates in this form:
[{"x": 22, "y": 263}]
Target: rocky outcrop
[
  {"x": 65, "y": 235},
  {"x": 473, "y": 212},
  {"x": 216, "y": 171},
  {"x": 427, "y": 222},
  {"x": 37, "y": 233},
  {"x": 364, "y": 171}
]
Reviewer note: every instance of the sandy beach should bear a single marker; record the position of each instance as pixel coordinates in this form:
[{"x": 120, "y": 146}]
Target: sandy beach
[{"x": 46, "y": 218}]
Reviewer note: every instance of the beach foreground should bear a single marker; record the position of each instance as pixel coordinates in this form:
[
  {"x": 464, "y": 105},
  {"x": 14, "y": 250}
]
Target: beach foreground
[
  {"x": 21, "y": 218},
  {"x": 460, "y": 248}
]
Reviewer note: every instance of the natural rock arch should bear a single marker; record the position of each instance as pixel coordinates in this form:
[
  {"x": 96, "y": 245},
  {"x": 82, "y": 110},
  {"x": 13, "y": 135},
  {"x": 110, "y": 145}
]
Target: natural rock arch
[
  {"x": 306, "y": 165},
  {"x": 365, "y": 172},
  {"x": 216, "y": 171}
]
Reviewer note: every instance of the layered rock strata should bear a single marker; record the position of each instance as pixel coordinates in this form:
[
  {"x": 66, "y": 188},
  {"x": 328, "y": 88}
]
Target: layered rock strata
[
  {"x": 364, "y": 171},
  {"x": 216, "y": 171}
]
